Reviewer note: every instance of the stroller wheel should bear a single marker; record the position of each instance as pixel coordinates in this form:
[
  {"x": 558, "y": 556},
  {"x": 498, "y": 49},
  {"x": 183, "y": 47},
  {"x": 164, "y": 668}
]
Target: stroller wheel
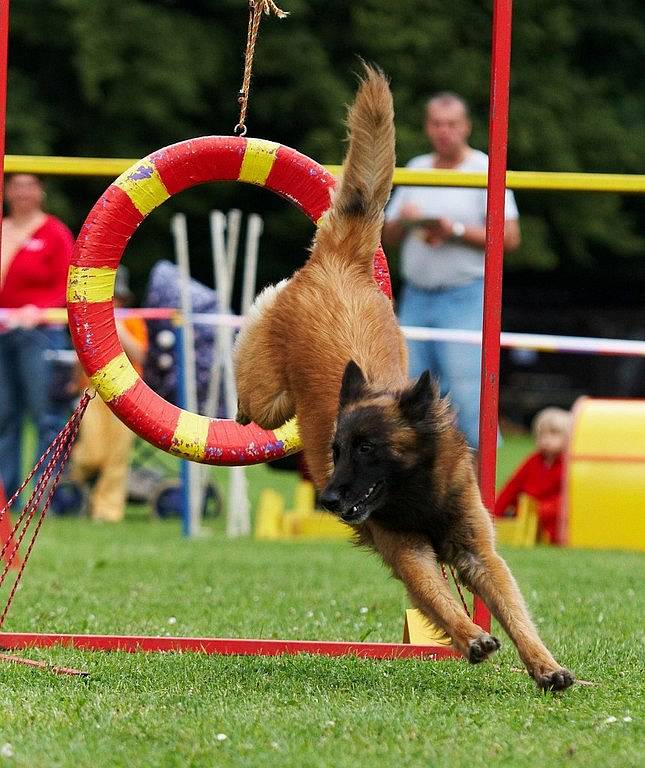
[
  {"x": 167, "y": 500},
  {"x": 71, "y": 499},
  {"x": 213, "y": 501}
]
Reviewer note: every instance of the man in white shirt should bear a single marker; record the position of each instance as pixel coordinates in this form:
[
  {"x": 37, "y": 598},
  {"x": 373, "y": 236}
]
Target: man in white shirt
[{"x": 443, "y": 234}]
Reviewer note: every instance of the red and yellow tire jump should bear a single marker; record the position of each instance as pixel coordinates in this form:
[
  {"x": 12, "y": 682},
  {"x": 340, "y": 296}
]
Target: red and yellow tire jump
[{"x": 100, "y": 246}]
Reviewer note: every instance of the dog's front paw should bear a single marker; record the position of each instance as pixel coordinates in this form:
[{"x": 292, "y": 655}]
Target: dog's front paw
[
  {"x": 554, "y": 680},
  {"x": 482, "y": 647}
]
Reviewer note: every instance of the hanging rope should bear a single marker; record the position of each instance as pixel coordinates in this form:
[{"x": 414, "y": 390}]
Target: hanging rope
[
  {"x": 54, "y": 460},
  {"x": 256, "y": 8}
]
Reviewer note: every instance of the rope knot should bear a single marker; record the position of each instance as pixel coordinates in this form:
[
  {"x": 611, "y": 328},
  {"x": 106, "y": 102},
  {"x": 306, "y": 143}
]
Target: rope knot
[{"x": 268, "y": 6}]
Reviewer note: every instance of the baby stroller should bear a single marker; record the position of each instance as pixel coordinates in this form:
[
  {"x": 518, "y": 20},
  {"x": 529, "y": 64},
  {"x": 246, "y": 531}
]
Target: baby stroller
[{"x": 154, "y": 475}]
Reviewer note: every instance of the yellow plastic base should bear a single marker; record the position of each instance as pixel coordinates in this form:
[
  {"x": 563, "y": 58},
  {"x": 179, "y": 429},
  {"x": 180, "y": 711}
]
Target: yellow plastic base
[
  {"x": 268, "y": 523},
  {"x": 304, "y": 521},
  {"x": 417, "y": 630},
  {"x": 521, "y": 530}
]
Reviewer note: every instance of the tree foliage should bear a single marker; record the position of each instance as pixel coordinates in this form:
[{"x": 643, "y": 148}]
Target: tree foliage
[{"x": 121, "y": 79}]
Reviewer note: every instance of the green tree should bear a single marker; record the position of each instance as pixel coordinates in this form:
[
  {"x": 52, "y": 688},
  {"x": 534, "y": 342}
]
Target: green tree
[{"x": 124, "y": 78}]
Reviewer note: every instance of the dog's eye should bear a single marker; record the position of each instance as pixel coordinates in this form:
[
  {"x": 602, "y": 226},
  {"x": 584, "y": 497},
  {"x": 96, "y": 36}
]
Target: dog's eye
[{"x": 365, "y": 447}]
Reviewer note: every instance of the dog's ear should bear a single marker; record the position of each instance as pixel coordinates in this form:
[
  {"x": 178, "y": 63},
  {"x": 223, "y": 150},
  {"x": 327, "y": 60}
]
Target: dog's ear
[
  {"x": 353, "y": 386},
  {"x": 415, "y": 400}
]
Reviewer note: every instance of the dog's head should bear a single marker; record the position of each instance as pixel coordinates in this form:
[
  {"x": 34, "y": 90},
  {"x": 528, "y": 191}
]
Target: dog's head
[{"x": 381, "y": 439}]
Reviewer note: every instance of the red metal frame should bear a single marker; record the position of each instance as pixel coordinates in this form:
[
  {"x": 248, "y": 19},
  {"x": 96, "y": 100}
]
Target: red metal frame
[
  {"x": 498, "y": 136},
  {"x": 4, "y": 46},
  {"x": 224, "y": 646},
  {"x": 492, "y": 320}
]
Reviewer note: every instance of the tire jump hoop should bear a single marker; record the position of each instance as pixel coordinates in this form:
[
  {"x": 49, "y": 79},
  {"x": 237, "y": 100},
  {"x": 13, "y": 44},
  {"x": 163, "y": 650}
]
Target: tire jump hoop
[{"x": 98, "y": 251}]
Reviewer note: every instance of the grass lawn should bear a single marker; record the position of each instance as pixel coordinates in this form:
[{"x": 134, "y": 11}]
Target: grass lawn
[{"x": 194, "y": 710}]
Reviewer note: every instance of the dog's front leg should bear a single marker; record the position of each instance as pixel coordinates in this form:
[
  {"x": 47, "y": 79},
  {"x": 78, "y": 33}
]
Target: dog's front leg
[
  {"x": 414, "y": 562},
  {"x": 487, "y": 574}
]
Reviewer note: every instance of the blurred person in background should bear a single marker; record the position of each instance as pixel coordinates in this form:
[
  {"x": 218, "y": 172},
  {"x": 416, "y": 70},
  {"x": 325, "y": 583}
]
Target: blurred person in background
[
  {"x": 443, "y": 233},
  {"x": 540, "y": 475},
  {"x": 35, "y": 256},
  {"x": 103, "y": 450}
]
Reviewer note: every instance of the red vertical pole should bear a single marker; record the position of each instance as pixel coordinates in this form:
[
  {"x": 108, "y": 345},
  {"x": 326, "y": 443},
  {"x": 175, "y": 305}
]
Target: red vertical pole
[
  {"x": 4, "y": 45},
  {"x": 497, "y": 144},
  {"x": 7, "y": 542}
]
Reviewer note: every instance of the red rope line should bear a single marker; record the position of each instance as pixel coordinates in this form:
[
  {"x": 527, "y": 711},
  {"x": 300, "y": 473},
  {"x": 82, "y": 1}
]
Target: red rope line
[
  {"x": 39, "y": 463},
  {"x": 39, "y": 488},
  {"x": 43, "y": 665},
  {"x": 461, "y": 594},
  {"x": 61, "y": 447},
  {"x": 456, "y": 580},
  {"x": 32, "y": 504}
]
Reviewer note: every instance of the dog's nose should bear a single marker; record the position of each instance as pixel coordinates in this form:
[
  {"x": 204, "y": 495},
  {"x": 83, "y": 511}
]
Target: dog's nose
[{"x": 330, "y": 500}]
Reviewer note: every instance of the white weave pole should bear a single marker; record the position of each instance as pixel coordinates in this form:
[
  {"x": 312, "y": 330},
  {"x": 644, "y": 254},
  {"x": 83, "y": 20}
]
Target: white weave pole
[
  {"x": 238, "y": 518},
  {"x": 222, "y": 244},
  {"x": 195, "y": 484},
  {"x": 254, "y": 227},
  {"x": 217, "y": 223},
  {"x": 233, "y": 223}
]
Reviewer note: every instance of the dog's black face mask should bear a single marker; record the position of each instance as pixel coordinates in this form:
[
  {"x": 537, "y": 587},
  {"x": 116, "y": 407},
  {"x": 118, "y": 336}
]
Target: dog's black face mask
[{"x": 369, "y": 464}]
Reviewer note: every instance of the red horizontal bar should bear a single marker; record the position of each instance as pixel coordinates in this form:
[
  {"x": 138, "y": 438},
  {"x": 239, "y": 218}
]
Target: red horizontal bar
[{"x": 224, "y": 646}]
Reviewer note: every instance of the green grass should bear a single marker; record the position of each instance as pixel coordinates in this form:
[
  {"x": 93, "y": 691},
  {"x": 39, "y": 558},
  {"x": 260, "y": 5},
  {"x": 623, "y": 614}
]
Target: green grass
[{"x": 168, "y": 709}]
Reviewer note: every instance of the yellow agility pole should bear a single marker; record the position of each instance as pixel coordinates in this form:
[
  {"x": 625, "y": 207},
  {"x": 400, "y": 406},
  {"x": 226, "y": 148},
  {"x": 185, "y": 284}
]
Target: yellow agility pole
[{"x": 545, "y": 180}]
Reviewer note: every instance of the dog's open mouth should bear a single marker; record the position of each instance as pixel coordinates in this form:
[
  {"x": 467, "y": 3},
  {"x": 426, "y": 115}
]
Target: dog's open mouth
[{"x": 361, "y": 509}]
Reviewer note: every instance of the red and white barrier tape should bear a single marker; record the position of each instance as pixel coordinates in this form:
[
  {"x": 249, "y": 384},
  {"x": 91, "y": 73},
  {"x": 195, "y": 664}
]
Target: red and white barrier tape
[{"x": 535, "y": 341}]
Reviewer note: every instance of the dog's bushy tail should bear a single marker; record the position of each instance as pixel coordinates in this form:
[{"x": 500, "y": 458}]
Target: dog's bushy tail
[{"x": 351, "y": 229}]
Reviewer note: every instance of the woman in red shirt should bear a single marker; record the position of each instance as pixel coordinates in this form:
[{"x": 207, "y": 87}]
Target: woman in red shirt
[
  {"x": 35, "y": 256},
  {"x": 540, "y": 476}
]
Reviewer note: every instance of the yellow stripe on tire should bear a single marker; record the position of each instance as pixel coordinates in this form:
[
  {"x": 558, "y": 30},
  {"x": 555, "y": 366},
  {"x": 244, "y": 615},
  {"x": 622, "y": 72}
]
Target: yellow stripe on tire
[
  {"x": 259, "y": 158},
  {"x": 143, "y": 185},
  {"x": 93, "y": 284}
]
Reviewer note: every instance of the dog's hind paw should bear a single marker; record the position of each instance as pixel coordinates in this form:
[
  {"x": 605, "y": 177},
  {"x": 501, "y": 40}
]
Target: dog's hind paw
[
  {"x": 482, "y": 647},
  {"x": 241, "y": 417},
  {"x": 556, "y": 680}
]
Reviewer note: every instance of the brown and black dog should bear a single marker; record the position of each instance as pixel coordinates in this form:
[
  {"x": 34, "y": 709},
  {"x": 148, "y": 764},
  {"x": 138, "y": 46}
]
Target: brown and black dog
[{"x": 325, "y": 346}]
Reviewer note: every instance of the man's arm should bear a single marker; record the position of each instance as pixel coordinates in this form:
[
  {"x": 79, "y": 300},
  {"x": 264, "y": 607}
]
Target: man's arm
[
  {"x": 393, "y": 232},
  {"x": 446, "y": 229},
  {"x": 395, "y": 229},
  {"x": 476, "y": 236},
  {"x": 512, "y": 235}
]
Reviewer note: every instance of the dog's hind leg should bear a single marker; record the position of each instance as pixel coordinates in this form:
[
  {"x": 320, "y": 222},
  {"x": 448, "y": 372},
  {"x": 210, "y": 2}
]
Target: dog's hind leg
[
  {"x": 262, "y": 391},
  {"x": 486, "y": 573},
  {"x": 268, "y": 408},
  {"x": 414, "y": 562}
]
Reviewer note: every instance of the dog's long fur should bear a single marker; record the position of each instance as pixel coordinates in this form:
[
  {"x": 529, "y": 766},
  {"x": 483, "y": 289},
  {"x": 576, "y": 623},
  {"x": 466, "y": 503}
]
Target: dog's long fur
[{"x": 326, "y": 346}]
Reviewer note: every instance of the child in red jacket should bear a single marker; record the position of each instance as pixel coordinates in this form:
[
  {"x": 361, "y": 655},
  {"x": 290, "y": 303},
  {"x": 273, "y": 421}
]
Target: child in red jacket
[{"x": 540, "y": 476}]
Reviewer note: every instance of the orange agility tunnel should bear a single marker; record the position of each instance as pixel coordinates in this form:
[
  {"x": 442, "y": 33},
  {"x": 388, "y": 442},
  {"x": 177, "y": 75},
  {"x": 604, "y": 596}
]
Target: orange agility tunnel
[{"x": 604, "y": 502}]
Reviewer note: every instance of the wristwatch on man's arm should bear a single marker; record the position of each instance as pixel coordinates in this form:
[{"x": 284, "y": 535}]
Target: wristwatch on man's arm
[{"x": 458, "y": 230}]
